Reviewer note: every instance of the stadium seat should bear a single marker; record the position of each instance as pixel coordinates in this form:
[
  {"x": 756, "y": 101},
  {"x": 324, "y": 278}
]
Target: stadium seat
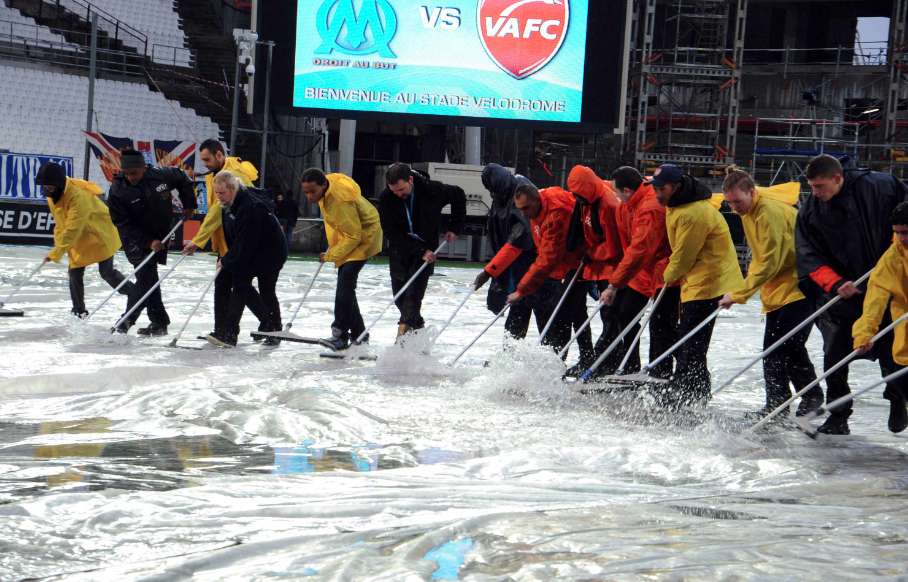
[
  {"x": 43, "y": 112},
  {"x": 18, "y": 27}
]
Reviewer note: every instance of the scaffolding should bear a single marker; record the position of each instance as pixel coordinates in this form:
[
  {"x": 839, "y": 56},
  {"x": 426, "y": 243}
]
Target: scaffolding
[
  {"x": 782, "y": 147},
  {"x": 685, "y": 100}
]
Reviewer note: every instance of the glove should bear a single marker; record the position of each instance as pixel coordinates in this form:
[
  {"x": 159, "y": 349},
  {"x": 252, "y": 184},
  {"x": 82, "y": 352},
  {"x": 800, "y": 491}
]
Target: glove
[{"x": 481, "y": 279}]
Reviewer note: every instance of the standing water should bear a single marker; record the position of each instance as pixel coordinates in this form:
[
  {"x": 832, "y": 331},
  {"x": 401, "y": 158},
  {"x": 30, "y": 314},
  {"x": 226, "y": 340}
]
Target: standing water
[{"x": 123, "y": 458}]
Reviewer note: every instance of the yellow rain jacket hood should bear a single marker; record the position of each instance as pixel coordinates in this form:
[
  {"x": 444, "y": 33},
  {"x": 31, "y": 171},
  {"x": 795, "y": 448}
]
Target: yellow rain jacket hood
[
  {"x": 212, "y": 227},
  {"x": 83, "y": 228},
  {"x": 703, "y": 255},
  {"x": 889, "y": 280},
  {"x": 770, "y": 231},
  {"x": 352, "y": 224}
]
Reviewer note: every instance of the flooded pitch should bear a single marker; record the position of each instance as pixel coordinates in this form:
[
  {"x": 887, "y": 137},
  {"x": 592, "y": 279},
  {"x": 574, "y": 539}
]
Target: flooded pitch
[{"x": 123, "y": 458}]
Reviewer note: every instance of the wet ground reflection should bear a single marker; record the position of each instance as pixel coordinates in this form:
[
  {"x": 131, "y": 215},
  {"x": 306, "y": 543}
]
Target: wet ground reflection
[{"x": 91, "y": 455}]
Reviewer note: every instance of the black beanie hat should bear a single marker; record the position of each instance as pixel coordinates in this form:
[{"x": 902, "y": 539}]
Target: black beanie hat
[
  {"x": 131, "y": 159},
  {"x": 52, "y": 174}
]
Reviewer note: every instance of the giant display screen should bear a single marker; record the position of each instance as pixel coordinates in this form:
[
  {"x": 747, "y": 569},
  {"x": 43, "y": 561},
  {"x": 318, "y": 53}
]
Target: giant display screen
[{"x": 502, "y": 59}]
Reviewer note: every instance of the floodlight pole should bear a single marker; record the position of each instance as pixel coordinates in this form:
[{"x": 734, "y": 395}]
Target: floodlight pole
[{"x": 92, "y": 74}]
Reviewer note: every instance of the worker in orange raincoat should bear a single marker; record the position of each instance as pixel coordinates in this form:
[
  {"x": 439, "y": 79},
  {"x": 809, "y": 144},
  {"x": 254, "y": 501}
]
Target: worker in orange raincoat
[
  {"x": 549, "y": 212},
  {"x": 638, "y": 277},
  {"x": 602, "y": 251},
  {"x": 83, "y": 231}
]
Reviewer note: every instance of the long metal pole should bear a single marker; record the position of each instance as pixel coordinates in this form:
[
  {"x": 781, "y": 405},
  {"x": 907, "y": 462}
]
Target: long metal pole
[
  {"x": 92, "y": 73},
  {"x": 643, "y": 324},
  {"x": 195, "y": 308},
  {"x": 463, "y": 302},
  {"x": 843, "y": 362},
  {"x": 787, "y": 336},
  {"x": 165, "y": 241},
  {"x": 235, "y": 118},
  {"x": 683, "y": 340},
  {"x": 148, "y": 293},
  {"x": 583, "y": 327},
  {"x": 482, "y": 333},
  {"x": 588, "y": 373},
  {"x": 296, "y": 312},
  {"x": 22, "y": 284},
  {"x": 266, "y": 120},
  {"x": 804, "y": 421},
  {"x": 403, "y": 290},
  {"x": 567, "y": 291}
]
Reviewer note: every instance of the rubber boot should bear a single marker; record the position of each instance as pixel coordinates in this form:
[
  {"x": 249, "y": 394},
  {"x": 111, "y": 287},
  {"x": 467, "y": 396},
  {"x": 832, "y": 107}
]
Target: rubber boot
[
  {"x": 339, "y": 340},
  {"x": 810, "y": 402},
  {"x": 898, "y": 415},
  {"x": 836, "y": 423}
]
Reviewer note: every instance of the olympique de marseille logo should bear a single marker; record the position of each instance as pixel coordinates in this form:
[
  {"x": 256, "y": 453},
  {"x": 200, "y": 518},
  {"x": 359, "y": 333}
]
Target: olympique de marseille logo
[
  {"x": 523, "y": 36},
  {"x": 349, "y": 32}
]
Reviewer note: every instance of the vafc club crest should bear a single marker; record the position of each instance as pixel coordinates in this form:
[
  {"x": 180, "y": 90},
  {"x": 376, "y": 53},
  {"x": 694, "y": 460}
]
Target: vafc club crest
[
  {"x": 523, "y": 36},
  {"x": 358, "y": 28}
]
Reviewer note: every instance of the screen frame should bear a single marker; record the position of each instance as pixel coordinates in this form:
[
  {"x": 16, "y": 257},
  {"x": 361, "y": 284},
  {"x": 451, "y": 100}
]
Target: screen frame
[{"x": 277, "y": 22}]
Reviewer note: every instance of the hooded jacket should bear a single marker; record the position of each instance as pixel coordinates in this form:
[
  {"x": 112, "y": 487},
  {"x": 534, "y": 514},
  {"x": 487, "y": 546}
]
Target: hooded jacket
[
  {"x": 83, "y": 229},
  {"x": 769, "y": 228},
  {"x": 550, "y": 234},
  {"x": 888, "y": 282},
  {"x": 212, "y": 227},
  {"x": 703, "y": 254},
  {"x": 144, "y": 212},
  {"x": 254, "y": 235},
  {"x": 842, "y": 239},
  {"x": 508, "y": 229},
  {"x": 599, "y": 220},
  {"x": 412, "y": 225},
  {"x": 641, "y": 225},
  {"x": 352, "y": 226}
]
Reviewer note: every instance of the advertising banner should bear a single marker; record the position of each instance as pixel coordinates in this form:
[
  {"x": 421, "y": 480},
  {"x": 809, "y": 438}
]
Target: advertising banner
[
  {"x": 498, "y": 59},
  {"x": 19, "y": 171},
  {"x": 24, "y": 222}
]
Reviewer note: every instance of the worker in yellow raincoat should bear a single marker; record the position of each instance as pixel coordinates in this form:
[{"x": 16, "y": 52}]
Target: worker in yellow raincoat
[
  {"x": 769, "y": 226},
  {"x": 704, "y": 260},
  {"x": 83, "y": 231},
  {"x": 353, "y": 230},
  {"x": 888, "y": 287},
  {"x": 215, "y": 159}
]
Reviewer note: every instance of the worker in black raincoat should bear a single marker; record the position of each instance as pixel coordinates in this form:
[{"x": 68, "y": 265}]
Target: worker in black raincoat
[
  {"x": 410, "y": 210},
  {"x": 841, "y": 232},
  {"x": 512, "y": 242},
  {"x": 257, "y": 249},
  {"x": 142, "y": 208}
]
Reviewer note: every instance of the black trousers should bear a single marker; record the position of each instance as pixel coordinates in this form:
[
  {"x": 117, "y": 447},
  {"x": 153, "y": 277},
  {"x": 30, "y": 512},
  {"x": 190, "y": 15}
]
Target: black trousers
[
  {"x": 692, "y": 381},
  {"x": 790, "y": 363},
  {"x": 575, "y": 304},
  {"x": 628, "y": 303},
  {"x": 223, "y": 289},
  {"x": 517, "y": 322},
  {"x": 663, "y": 331},
  {"x": 146, "y": 278},
  {"x": 112, "y": 276},
  {"x": 347, "y": 316},
  {"x": 838, "y": 343},
  {"x": 265, "y": 300},
  {"x": 403, "y": 267},
  {"x": 543, "y": 303}
]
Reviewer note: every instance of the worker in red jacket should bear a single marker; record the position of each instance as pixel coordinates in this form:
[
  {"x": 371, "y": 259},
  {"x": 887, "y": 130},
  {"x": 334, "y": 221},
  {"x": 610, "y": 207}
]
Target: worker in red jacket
[
  {"x": 602, "y": 247},
  {"x": 644, "y": 240},
  {"x": 549, "y": 212}
]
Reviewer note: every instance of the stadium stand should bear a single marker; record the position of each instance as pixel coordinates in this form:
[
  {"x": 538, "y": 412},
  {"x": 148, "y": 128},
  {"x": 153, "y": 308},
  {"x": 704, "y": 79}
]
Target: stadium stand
[
  {"x": 15, "y": 26},
  {"x": 43, "y": 112}
]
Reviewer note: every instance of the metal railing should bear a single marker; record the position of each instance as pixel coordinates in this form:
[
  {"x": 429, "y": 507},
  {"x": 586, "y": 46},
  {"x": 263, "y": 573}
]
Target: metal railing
[
  {"x": 110, "y": 24},
  {"x": 66, "y": 54},
  {"x": 859, "y": 54},
  {"x": 177, "y": 56}
]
